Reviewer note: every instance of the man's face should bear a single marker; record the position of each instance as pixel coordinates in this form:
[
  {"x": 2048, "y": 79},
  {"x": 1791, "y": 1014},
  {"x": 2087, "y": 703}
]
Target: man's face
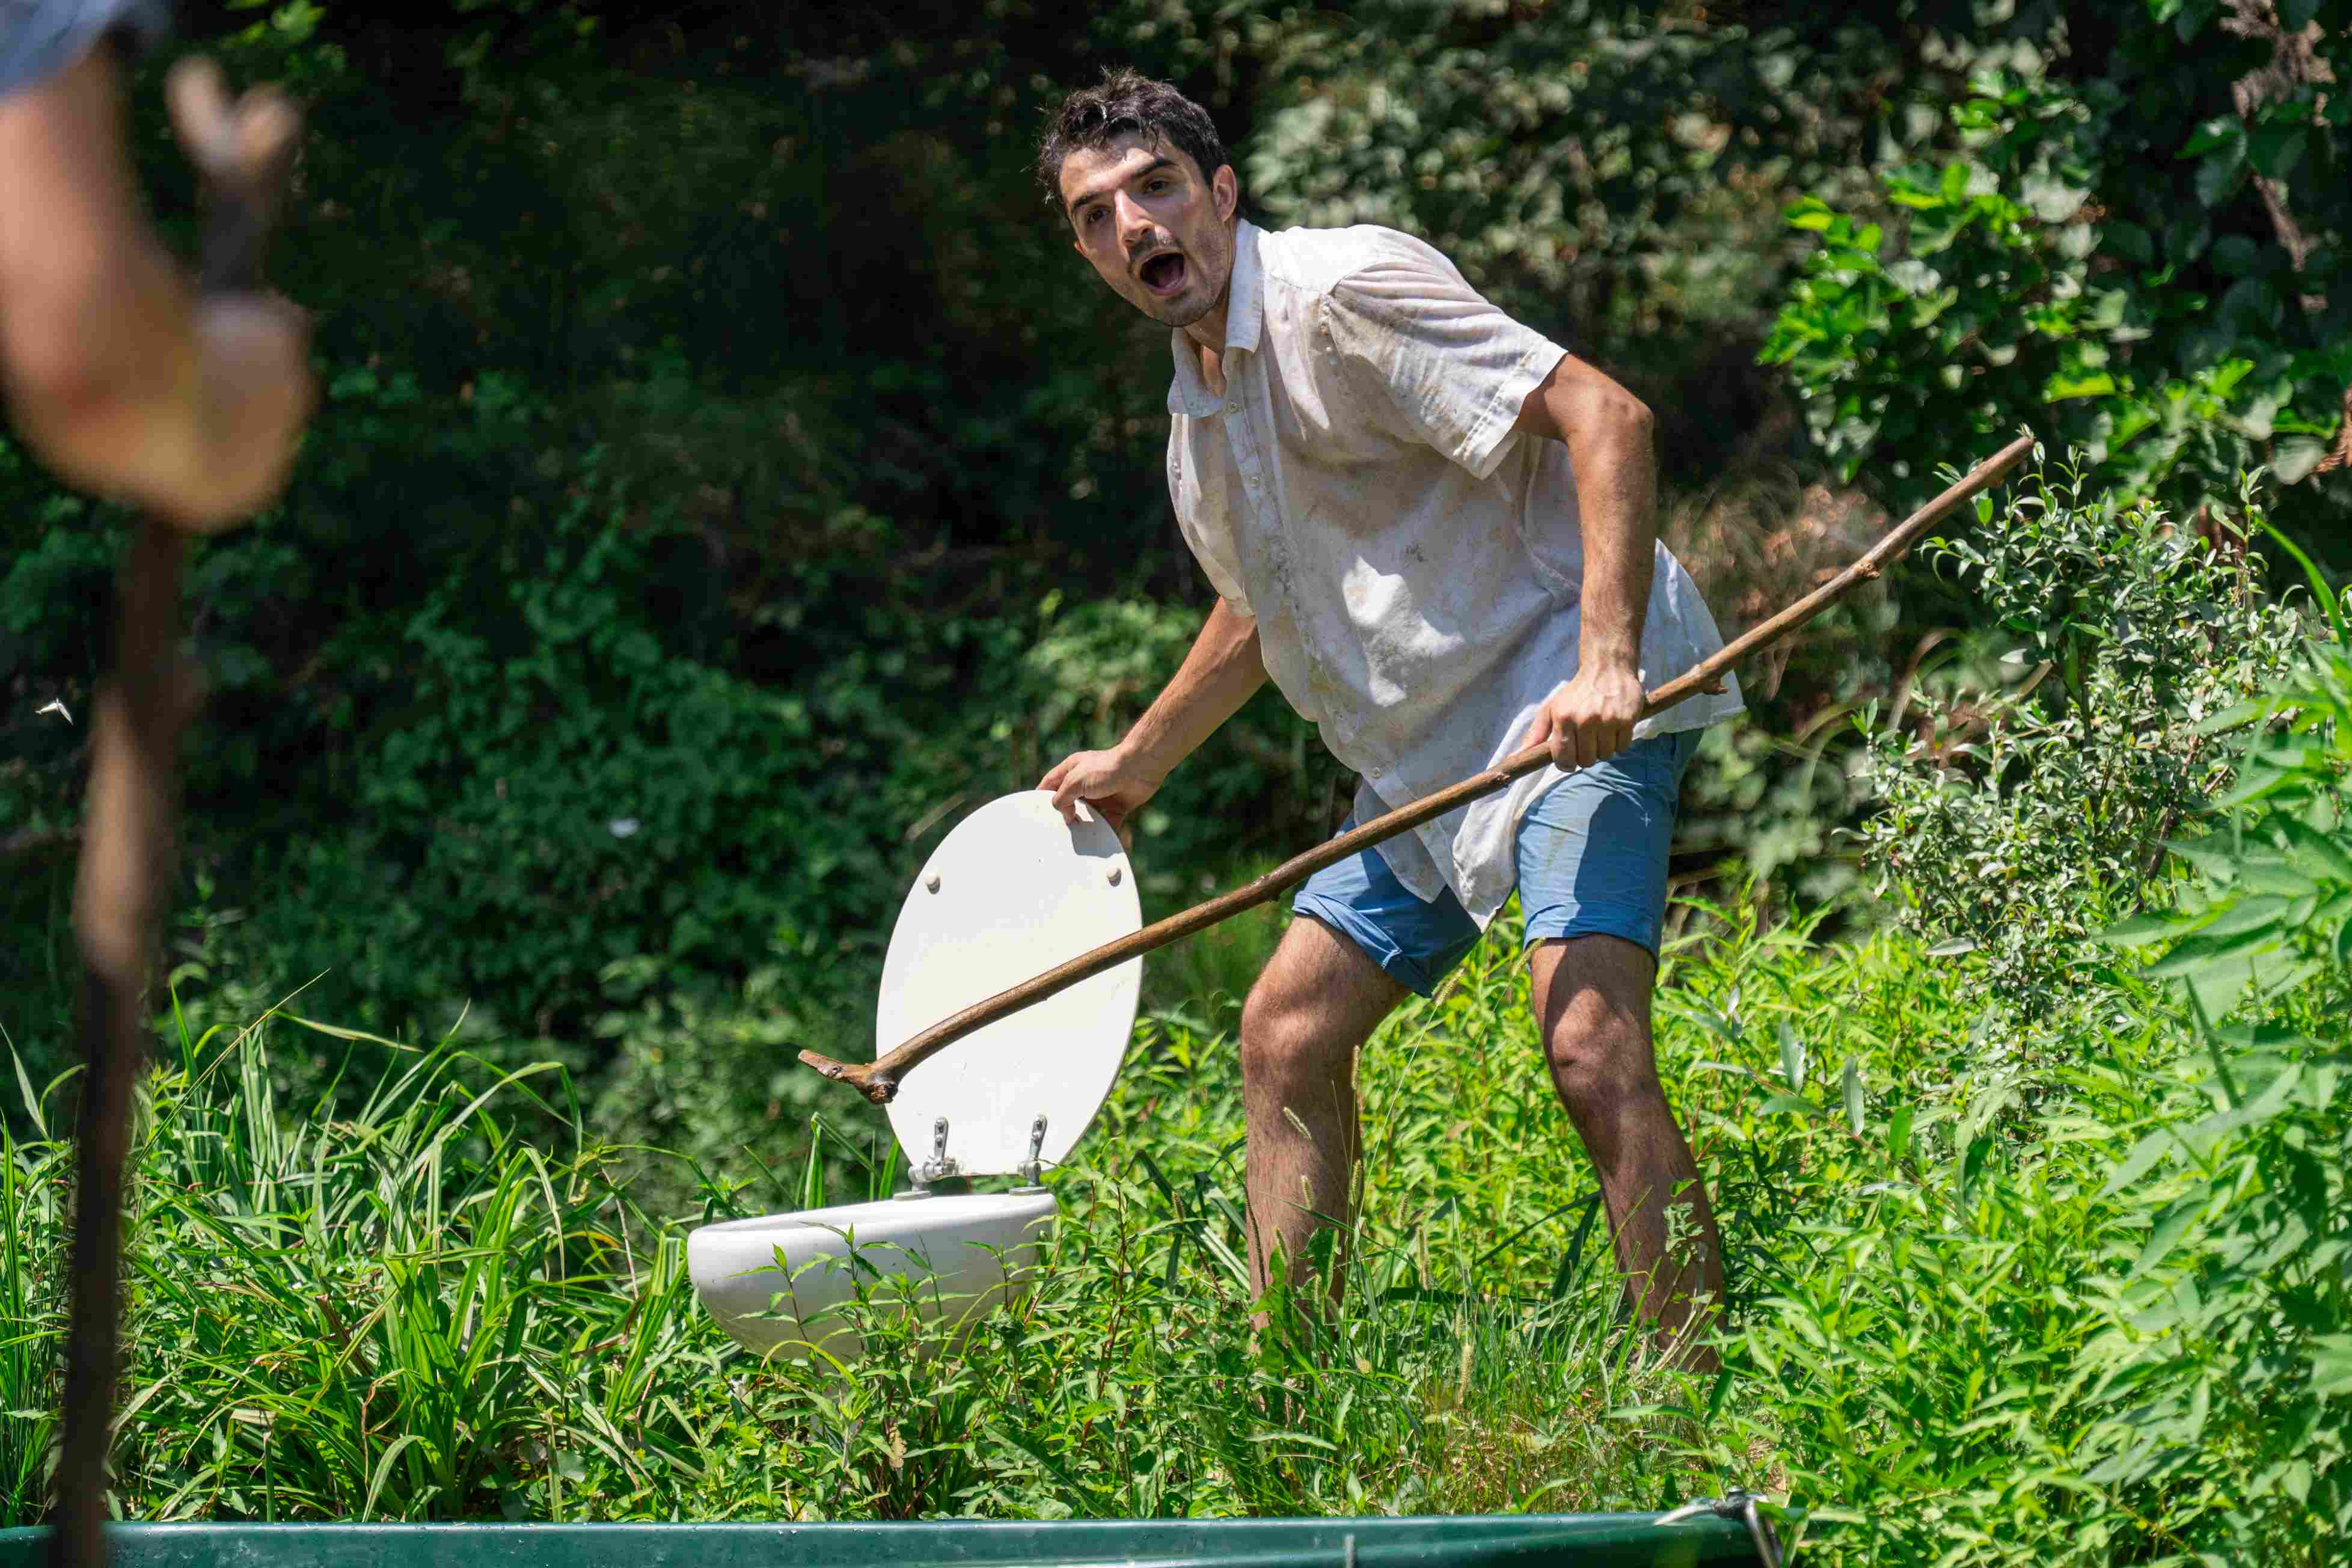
[{"x": 1159, "y": 232}]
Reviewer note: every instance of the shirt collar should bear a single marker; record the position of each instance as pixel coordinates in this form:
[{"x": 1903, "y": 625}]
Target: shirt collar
[{"x": 1188, "y": 394}]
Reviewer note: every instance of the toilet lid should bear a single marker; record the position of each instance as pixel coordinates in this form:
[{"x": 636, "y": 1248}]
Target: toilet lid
[{"x": 1012, "y": 892}]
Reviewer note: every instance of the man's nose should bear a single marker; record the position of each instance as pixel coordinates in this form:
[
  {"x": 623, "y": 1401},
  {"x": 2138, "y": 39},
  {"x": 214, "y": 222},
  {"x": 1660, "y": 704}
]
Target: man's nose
[{"x": 1134, "y": 223}]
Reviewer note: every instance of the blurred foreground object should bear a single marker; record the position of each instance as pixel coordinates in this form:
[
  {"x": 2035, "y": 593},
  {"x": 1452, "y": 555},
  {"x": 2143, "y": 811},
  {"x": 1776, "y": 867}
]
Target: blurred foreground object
[
  {"x": 118, "y": 374},
  {"x": 141, "y": 387}
]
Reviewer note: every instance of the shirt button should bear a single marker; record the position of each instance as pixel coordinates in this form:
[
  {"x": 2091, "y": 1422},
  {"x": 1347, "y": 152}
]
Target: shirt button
[
  {"x": 1253, "y": 481},
  {"x": 1234, "y": 407}
]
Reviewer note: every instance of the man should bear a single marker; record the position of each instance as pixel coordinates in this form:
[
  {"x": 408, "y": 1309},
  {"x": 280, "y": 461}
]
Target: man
[
  {"x": 115, "y": 372},
  {"x": 1434, "y": 531}
]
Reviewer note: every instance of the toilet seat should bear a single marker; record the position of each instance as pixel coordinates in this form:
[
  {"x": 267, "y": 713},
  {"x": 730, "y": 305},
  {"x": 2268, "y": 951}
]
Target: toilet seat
[{"x": 1011, "y": 892}]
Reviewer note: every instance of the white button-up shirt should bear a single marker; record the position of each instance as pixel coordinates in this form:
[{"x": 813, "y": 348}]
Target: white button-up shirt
[{"x": 1415, "y": 570}]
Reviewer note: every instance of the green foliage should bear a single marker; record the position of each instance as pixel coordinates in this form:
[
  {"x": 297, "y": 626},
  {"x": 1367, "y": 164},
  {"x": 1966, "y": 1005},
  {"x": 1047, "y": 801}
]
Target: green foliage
[
  {"x": 2232, "y": 1335},
  {"x": 358, "y": 1316},
  {"x": 2089, "y": 1308},
  {"x": 442, "y": 1306},
  {"x": 32, "y": 1258},
  {"x": 2115, "y": 255},
  {"x": 2272, "y": 906},
  {"x": 2106, "y": 1329},
  {"x": 1604, "y": 168},
  {"x": 1971, "y": 1355},
  {"x": 2088, "y": 1311},
  {"x": 585, "y": 795},
  {"x": 1557, "y": 152},
  {"x": 2025, "y": 804}
]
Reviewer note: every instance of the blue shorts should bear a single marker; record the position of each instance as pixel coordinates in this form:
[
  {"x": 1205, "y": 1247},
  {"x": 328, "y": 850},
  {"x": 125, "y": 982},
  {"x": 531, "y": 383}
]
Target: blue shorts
[{"x": 1591, "y": 855}]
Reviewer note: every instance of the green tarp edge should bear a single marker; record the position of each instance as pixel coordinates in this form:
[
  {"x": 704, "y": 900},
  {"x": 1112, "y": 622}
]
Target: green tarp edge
[{"x": 1586, "y": 1540}]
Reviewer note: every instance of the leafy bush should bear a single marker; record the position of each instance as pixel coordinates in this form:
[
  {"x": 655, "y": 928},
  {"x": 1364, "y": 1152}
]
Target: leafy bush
[
  {"x": 2024, "y": 813},
  {"x": 2272, "y": 906},
  {"x": 2234, "y": 1331},
  {"x": 2118, "y": 255},
  {"x": 2091, "y": 1308}
]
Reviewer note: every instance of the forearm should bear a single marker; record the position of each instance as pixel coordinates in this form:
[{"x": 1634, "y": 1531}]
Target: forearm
[
  {"x": 1617, "y": 505},
  {"x": 1607, "y": 431},
  {"x": 1222, "y": 671}
]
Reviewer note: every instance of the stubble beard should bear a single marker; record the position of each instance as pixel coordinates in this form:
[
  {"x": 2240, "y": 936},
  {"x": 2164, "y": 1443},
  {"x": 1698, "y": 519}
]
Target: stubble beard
[{"x": 1177, "y": 313}]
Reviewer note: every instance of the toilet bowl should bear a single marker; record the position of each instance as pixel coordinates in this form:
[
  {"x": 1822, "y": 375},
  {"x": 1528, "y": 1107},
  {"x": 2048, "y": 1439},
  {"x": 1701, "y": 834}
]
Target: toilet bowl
[
  {"x": 1013, "y": 891},
  {"x": 778, "y": 1284}
]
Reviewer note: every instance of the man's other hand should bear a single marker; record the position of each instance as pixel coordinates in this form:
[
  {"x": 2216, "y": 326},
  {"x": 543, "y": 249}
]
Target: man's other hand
[
  {"x": 1111, "y": 781},
  {"x": 1590, "y": 719},
  {"x": 123, "y": 381}
]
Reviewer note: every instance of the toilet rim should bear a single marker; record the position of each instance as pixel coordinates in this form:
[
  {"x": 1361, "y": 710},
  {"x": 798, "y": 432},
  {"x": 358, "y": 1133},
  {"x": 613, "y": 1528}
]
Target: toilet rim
[{"x": 885, "y": 1216}]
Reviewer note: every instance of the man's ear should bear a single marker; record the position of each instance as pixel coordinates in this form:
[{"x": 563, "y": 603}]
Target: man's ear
[{"x": 1227, "y": 191}]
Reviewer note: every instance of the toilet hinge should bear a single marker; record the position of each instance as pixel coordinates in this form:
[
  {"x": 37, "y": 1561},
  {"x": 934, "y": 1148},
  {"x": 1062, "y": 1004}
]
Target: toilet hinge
[
  {"x": 938, "y": 1166},
  {"x": 1032, "y": 1171}
]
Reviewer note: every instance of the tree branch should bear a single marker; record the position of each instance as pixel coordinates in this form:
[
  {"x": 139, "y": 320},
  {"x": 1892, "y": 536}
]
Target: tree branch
[{"x": 878, "y": 1081}]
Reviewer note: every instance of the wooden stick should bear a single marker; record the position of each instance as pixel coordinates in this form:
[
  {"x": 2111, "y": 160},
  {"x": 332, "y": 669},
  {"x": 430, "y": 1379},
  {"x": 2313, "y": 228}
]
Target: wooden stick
[
  {"x": 878, "y": 1081},
  {"x": 129, "y": 862}
]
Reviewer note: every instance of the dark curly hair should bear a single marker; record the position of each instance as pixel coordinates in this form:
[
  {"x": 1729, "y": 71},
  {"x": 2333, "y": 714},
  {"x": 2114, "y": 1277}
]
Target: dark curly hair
[{"x": 1126, "y": 102}]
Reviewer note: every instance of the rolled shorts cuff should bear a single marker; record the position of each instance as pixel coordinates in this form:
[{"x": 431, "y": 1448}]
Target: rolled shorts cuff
[
  {"x": 1626, "y": 925},
  {"x": 1418, "y": 972}
]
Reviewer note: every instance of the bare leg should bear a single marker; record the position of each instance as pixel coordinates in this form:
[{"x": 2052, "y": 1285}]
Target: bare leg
[
  {"x": 1592, "y": 998},
  {"x": 1319, "y": 1000}
]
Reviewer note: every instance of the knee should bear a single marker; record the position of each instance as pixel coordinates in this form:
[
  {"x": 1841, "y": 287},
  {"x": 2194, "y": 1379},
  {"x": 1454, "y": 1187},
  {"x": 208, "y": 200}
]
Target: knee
[
  {"x": 1283, "y": 1043},
  {"x": 1600, "y": 1060}
]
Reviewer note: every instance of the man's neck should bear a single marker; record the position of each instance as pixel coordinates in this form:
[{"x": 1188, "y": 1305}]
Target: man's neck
[
  {"x": 1207, "y": 337},
  {"x": 1208, "y": 333}
]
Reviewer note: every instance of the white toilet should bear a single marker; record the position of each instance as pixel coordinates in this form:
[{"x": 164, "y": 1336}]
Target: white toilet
[{"x": 1012, "y": 892}]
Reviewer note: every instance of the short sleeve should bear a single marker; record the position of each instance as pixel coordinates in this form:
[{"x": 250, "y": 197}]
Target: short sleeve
[
  {"x": 1430, "y": 358},
  {"x": 40, "y": 38}
]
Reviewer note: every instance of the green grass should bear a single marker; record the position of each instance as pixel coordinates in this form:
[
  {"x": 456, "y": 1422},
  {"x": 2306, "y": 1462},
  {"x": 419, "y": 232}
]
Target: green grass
[
  {"x": 2019, "y": 1272},
  {"x": 447, "y": 1305}
]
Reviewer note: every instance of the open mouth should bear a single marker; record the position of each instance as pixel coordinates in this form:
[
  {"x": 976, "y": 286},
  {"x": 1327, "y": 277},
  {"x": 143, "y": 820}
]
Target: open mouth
[{"x": 1165, "y": 273}]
